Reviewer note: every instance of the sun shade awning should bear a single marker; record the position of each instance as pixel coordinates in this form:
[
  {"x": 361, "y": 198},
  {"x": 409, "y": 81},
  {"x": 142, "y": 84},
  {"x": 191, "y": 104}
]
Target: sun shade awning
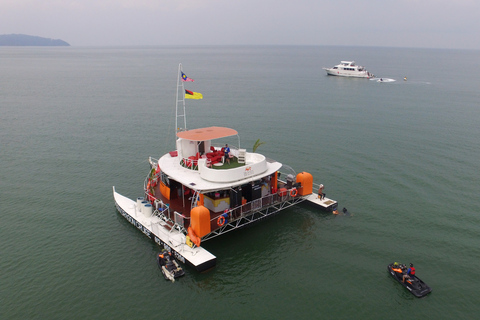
[{"x": 210, "y": 133}]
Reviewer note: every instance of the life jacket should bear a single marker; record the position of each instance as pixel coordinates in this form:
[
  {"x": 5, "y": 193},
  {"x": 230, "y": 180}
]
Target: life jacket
[{"x": 412, "y": 271}]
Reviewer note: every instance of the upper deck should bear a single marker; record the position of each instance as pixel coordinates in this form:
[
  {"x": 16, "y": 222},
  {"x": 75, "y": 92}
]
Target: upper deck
[
  {"x": 210, "y": 178},
  {"x": 200, "y": 164},
  {"x": 347, "y": 63}
]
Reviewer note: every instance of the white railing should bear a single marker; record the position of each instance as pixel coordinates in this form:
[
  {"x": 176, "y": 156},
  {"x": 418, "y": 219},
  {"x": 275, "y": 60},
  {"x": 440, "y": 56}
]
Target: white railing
[{"x": 244, "y": 210}]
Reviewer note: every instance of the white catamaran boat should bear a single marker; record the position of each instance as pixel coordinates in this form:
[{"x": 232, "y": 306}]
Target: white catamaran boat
[
  {"x": 198, "y": 191},
  {"x": 348, "y": 69}
]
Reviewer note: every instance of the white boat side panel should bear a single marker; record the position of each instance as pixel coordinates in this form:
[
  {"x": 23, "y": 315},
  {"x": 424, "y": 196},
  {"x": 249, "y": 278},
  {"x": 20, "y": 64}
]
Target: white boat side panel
[{"x": 173, "y": 238}]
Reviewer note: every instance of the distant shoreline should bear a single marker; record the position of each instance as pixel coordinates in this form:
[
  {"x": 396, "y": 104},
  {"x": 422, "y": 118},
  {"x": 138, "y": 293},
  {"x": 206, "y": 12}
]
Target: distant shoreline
[{"x": 17, "y": 40}]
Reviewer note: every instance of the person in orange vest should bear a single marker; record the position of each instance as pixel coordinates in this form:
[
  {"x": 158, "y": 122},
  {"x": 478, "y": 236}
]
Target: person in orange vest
[{"x": 410, "y": 272}]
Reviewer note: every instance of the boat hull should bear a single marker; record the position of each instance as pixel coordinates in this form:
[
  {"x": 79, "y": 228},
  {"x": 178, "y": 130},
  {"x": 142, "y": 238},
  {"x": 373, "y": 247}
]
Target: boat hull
[
  {"x": 351, "y": 74},
  {"x": 171, "y": 240}
]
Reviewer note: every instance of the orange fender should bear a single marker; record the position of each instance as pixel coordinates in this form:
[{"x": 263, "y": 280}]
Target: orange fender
[{"x": 193, "y": 237}]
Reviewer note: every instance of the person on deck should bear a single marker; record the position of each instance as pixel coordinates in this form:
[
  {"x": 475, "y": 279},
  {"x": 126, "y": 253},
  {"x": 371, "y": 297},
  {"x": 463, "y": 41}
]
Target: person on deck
[
  {"x": 321, "y": 195},
  {"x": 410, "y": 272},
  {"x": 227, "y": 153}
]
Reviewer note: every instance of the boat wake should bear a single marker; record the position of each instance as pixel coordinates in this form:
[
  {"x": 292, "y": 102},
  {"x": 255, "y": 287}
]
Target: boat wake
[{"x": 383, "y": 80}]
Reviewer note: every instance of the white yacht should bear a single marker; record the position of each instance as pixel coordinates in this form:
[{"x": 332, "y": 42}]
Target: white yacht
[
  {"x": 199, "y": 191},
  {"x": 348, "y": 69}
]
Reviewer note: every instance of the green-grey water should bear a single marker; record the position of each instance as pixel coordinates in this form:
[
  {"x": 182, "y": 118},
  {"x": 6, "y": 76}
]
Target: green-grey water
[{"x": 402, "y": 157}]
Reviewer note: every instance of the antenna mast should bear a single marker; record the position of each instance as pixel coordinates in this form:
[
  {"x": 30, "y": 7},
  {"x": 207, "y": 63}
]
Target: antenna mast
[{"x": 180, "y": 103}]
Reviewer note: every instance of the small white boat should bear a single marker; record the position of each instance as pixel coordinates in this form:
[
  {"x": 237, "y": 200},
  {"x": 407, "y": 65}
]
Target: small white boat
[
  {"x": 348, "y": 69},
  {"x": 198, "y": 191}
]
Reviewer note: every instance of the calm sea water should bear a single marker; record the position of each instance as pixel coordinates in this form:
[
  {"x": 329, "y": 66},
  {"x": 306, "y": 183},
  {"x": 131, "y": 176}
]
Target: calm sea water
[{"x": 402, "y": 157}]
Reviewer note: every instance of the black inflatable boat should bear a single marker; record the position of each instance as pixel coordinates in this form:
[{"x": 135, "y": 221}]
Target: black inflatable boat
[{"x": 169, "y": 266}]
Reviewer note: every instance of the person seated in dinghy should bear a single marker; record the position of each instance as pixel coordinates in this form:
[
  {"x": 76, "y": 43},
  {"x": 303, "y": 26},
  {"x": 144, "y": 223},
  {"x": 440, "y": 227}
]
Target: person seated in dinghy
[{"x": 410, "y": 272}]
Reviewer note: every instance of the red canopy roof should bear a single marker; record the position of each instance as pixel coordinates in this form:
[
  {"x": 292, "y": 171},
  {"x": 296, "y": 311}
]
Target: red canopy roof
[{"x": 210, "y": 133}]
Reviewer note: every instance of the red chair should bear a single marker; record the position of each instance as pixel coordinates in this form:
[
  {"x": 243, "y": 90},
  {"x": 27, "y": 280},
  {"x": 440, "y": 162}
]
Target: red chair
[{"x": 191, "y": 161}]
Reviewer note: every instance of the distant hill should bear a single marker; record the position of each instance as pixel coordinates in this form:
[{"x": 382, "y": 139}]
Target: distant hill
[{"x": 25, "y": 40}]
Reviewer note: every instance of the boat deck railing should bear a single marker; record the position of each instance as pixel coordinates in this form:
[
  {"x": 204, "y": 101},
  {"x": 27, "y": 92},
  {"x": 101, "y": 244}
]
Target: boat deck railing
[
  {"x": 235, "y": 217},
  {"x": 254, "y": 211},
  {"x": 285, "y": 195}
]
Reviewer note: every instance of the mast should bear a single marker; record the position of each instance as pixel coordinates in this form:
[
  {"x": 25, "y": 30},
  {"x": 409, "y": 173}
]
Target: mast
[{"x": 180, "y": 103}]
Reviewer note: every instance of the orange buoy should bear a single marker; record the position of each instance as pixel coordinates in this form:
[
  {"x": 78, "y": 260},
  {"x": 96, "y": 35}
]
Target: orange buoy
[
  {"x": 221, "y": 221},
  {"x": 223, "y": 218},
  {"x": 293, "y": 192}
]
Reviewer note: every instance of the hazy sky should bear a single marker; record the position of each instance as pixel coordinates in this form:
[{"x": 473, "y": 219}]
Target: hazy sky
[{"x": 403, "y": 23}]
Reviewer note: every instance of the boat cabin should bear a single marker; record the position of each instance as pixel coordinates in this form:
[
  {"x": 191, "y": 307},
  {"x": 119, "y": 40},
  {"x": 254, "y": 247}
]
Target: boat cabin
[{"x": 198, "y": 174}]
